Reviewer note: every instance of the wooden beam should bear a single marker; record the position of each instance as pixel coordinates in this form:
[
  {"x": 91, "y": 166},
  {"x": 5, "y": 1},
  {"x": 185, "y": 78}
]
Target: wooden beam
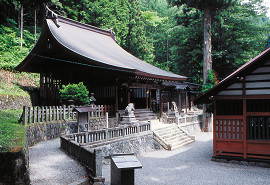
[{"x": 143, "y": 86}]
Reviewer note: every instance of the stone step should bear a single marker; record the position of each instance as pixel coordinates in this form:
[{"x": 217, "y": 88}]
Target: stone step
[
  {"x": 172, "y": 133},
  {"x": 168, "y": 127},
  {"x": 178, "y": 145},
  {"x": 176, "y": 139},
  {"x": 173, "y": 136},
  {"x": 145, "y": 116},
  {"x": 168, "y": 131},
  {"x": 141, "y": 114}
]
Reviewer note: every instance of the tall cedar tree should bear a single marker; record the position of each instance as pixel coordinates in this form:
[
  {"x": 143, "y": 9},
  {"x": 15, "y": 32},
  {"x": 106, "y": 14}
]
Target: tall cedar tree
[{"x": 209, "y": 9}]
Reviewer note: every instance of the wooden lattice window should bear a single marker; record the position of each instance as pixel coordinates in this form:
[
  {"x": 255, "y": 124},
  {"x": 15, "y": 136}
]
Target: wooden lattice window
[
  {"x": 229, "y": 129},
  {"x": 258, "y": 127}
]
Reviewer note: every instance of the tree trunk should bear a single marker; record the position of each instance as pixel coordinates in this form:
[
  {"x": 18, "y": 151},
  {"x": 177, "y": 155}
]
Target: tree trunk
[
  {"x": 35, "y": 25},
  {"x": 21, "y": 26},
  {"x": 207, "y": 60},
  {"x": 207, "y": 45}
]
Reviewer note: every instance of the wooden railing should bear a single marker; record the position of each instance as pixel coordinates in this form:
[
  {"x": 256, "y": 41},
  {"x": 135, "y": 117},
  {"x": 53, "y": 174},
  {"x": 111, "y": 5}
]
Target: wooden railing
[
  {"x": 110, "y": 133},
  {"x": 188, "y": 119},
  {"x": 53, "y": 113},
  {"x": 91, "y": 159},
  {"x": 181, "y": 119}
]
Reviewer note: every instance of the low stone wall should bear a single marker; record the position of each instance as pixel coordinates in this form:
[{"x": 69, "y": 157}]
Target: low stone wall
[
  {"x": 14, "y": 167},
  {"x": 14, "y": 102},
  {"x": 191, "y": 128},
  {"x": 44, "y": 131},
  {"x": 136, "y": 144}
]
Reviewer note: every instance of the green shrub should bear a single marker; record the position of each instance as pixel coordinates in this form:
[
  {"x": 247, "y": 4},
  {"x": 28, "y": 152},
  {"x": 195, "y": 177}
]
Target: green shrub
[{"x": 77, "y": 92}]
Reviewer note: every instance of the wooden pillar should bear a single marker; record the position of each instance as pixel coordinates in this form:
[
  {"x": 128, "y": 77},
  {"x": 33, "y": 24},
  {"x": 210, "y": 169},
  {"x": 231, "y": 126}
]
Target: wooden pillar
[
  {"x": 116, "y": 98},
  {"x": 41, "y": 91},
  {"x": 45, "y": 89},
  {"x": 160, "y": 102},
  {"x": 179, "y": 101},
  {"x": 189, "y": 101},
  {"x": 147, "y": 105},
  {"x": 186, "y": 99},
  {"x": 244, "y": 119},
  {"x": 128, "y": 95},
  {"x": 214, "y": 129}
]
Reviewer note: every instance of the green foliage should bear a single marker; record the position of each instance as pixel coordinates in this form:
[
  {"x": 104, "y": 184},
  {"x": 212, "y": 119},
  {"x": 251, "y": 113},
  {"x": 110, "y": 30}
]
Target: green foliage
[
  {"x": 12, "y": 135},
  {"x": 167, "y": 34},
  {"x": 11, "y": 54},
  {"x": 210, "y": 82},
  {"x": 77, "y": 92},
  {"x": 238, "y": 34}
]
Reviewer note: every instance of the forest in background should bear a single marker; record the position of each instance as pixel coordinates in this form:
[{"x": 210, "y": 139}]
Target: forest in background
[{"x": 168, "y": 34}]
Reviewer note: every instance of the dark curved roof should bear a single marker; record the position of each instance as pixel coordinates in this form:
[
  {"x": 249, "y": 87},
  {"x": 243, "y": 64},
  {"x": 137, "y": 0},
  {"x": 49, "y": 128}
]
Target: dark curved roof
[{"x": 97, "y": 45}]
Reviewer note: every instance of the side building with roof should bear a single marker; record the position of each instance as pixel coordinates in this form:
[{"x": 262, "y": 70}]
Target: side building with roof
[
  {"x": 241, "y": 126},
  {"x": 68, "y": 51}
]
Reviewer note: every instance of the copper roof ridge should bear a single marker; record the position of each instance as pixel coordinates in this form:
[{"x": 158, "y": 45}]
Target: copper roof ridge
[{"x": 55, "y": 17}]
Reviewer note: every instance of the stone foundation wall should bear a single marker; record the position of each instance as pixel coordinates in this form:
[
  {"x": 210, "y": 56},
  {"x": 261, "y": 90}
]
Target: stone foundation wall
[
  {"x": 136, "y": 144},
  {"x": 14, "y": 102},
  {"x": 14, "y": 167},
  {"x": 44, "y": 131}
]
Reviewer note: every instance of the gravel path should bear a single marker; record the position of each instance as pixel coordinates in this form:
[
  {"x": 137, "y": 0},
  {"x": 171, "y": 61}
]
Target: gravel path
[
  {"x": 50, "y": 165},
  {"x": 192, "y": 164}
]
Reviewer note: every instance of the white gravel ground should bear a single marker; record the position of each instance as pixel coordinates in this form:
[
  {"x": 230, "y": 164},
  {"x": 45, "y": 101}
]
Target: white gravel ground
[
  {"x": 192, "y": 164},
  {"x": 189, "y": 165},
  {"x": 50, "y": 165}
]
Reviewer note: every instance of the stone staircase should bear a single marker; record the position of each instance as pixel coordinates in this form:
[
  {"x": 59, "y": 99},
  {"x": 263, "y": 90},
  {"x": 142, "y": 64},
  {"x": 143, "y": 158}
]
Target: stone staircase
[
  {"x": 141, "y": 115},
  {"x": 171, "y": 137}
]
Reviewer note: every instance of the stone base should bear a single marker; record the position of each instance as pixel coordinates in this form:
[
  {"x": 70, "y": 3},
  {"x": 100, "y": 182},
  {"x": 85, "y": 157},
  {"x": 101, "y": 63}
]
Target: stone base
[
  {"x": 96, "y": 180},
  {"x": 240, "y": 161},
  {"x": 128, "y": 120}
]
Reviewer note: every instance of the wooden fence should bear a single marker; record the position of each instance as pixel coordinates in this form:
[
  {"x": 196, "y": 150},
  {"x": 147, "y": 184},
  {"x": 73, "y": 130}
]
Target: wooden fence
[
  {"x": 53, "y": 113},
  {"x": 91, "y": 159},
  {"x": 108, "y": 134}
]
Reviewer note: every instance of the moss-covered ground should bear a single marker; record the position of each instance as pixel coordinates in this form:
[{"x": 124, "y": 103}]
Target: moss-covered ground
[{"x": 12, "y": 134}]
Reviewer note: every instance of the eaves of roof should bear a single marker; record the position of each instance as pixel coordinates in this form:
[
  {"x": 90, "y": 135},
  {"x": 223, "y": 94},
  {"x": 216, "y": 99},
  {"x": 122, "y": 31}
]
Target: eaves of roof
[{"x": 240, "y": 72}]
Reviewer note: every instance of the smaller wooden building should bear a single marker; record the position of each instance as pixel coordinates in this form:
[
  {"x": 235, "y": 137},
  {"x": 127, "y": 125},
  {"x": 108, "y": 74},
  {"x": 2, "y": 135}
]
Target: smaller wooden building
[{"x": 241, "y": 126}]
